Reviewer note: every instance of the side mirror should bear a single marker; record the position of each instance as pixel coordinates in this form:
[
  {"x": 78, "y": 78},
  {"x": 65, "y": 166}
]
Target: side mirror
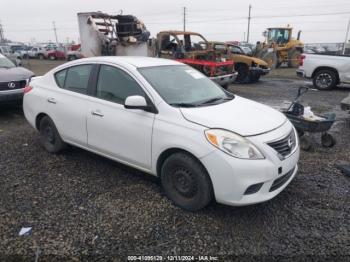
[{"x": 136, "y": 102}]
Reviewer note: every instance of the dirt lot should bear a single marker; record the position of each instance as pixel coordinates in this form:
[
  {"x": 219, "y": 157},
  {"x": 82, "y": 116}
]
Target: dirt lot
[{"x": 82, "y": 206}]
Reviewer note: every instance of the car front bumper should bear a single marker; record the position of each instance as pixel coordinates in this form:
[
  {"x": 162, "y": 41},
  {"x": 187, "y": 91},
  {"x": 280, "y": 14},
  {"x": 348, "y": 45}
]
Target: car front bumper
[
  {"x": 11, "y": 95},
  {"x": 232, "y": 177},
  {"x": 225, "y": 79}
]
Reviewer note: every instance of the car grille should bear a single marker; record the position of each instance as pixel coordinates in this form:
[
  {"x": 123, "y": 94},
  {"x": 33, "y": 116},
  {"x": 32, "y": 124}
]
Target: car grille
[
  {"x": 12, "y": 85},
  {"x": 281, "y": 180},
  {"x": 285, "y": 146}
]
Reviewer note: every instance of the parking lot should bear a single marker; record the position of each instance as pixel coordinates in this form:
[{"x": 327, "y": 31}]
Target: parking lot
[{"x": 79, "y": 204}]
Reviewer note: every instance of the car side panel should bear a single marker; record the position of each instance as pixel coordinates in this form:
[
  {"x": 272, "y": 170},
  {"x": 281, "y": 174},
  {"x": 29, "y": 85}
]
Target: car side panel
[{"x": 190, "y": 136}]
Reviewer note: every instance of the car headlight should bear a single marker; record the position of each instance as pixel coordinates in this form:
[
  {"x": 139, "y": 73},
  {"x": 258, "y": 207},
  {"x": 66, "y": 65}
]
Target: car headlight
[{"x": 233, "y": 144}]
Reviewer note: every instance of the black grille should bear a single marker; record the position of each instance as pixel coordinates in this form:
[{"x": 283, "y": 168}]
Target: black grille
[
  {"x": 285, "y": 145},
  {"x": 281, "y": 180},
  {"x": 12, "y": 85}
]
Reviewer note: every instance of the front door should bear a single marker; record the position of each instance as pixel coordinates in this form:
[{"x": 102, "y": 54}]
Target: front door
[{"x": 113, "y": 130}]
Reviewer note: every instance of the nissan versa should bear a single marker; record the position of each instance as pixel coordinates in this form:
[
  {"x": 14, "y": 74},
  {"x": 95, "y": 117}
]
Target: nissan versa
[{"x": 169, "y": 120}]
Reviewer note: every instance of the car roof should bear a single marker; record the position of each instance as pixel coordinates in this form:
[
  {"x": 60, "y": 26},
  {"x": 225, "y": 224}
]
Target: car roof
[{"x": 135, "y": 61}]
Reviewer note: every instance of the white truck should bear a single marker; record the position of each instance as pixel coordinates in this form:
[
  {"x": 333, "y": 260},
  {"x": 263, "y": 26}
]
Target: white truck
[{"x": 326, "y": 71}]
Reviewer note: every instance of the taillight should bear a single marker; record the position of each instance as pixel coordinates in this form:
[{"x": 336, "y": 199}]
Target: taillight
[
  {"x": 27, "y": 89},
  {"x": 301, "y": 60}
]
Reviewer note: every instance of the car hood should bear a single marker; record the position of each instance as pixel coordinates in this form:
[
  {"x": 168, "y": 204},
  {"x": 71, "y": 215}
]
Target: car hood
[
  {"x": 14, "y": 74},
  {"x": 241, "y": 116},
  {"x": 251, "y": 58}
]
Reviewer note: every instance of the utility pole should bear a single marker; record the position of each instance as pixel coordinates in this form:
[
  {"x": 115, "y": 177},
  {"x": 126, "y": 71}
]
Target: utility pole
[
  {"x": 2, "y": 38},
  {"x": 249, "y": 17},
  {"x": 184, "y": 14},
  {"x": 55, "y": 30},
  {"x": 346, "y": 37}
]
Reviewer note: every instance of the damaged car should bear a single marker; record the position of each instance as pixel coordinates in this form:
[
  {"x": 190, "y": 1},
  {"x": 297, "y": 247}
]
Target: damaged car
[
  {"x": 193, "y": 49},
  {"x": 249, "y": 68},
  {"x": 169, "y": 120}
]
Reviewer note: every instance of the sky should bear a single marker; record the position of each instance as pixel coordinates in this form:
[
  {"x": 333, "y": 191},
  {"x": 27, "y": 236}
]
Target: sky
[{"x": 321, "y": 21}]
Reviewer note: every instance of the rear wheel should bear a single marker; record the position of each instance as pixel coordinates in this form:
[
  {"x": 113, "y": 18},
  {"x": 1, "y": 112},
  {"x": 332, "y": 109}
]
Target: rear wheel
[
  {"x": 324, "y": 79},
  {"x": 49, "y": 136},
  {"x": 186, "y": 182},
  {"x": 41, "y": 56}
]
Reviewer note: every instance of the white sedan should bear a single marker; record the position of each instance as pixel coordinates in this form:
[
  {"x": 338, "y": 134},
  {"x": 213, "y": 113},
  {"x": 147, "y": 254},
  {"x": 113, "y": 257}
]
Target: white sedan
[{"x": 168, "y": 120}]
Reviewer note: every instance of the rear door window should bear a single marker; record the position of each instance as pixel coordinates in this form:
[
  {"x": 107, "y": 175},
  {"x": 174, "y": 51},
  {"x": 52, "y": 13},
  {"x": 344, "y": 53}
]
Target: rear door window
[
  {"x": 77, "y": 78},
  {"x": 60, "y": 77}
]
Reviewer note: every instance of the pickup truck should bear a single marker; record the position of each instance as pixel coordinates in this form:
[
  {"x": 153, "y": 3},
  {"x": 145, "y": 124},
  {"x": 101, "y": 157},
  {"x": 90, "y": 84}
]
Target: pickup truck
[{"x": 326, "y": 71}]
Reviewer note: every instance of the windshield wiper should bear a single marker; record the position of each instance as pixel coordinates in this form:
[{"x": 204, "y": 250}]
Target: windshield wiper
[
  {"x": 184, "y": 104},
  {"x": 215, "y": 99}
]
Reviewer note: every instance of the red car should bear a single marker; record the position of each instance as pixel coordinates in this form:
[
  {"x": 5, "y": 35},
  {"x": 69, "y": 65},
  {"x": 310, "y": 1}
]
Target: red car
[{"x": 55, "y": 54}]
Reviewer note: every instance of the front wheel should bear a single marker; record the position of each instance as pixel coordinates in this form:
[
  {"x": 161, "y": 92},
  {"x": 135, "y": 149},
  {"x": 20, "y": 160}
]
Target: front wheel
[
  {"x": 324, "y": 79},
  {"x": 49, "y": 136},
  {"x": 186, "y": 182},
  {"x": 243, "y": 73}
]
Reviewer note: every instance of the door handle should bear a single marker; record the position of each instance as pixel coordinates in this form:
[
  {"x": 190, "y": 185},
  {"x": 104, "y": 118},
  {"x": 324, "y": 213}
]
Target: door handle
[
  {"x": 52, "y": 100},
  {"x": 96, "y": 113}
]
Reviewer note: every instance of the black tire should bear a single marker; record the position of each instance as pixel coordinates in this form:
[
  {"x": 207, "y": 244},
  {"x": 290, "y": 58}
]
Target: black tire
[
  {"x": 293, "y": 58},
  {"x": 52, "y": 57},
  {"x": 186, "y": 182},
  {"x": 41, "y": 56},
  {"x": 306, "y": 143},
  {"x": 324, "y": 79},
  {"x": 327, "y": 140},
  {"x": 49, "y": 136},
  {"x": 253, "y": 78},
  {"x": 243, "y": 73}
]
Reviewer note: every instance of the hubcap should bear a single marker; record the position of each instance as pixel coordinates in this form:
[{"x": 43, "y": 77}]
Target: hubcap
[
  {"x": 184, "y": 183},
  {"x": 50, "y": 135},
  {"x": 323, "y": 80}
]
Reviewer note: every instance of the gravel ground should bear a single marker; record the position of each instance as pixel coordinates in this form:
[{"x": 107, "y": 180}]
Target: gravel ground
[{"x": 85, "y": 207}]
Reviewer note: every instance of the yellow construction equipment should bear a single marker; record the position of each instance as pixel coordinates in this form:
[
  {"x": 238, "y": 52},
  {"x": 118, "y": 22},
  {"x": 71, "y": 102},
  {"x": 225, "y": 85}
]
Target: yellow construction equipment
[{"x": 279, "y": 47}]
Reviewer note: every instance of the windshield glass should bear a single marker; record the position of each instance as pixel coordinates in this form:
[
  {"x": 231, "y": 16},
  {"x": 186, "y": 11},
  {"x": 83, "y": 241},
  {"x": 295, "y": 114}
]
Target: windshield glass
[
  {"x": 235, "y": 49},
  {"x": 280, "y": 36},
  {"x": 181, "y": 85},
  {"x": 4, "y": 62},
  {"x": 220, "y": 47}
]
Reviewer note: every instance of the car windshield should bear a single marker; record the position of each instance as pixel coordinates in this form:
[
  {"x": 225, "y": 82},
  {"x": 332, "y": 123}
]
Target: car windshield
[
  {"x": 183, "y": 86},
  {"x": 5, "y": 63}
]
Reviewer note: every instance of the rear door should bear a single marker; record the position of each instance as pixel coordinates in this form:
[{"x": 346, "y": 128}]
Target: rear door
[
  {"x": 67, "y": 105},
  {"x": 113, "y": 130}
]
